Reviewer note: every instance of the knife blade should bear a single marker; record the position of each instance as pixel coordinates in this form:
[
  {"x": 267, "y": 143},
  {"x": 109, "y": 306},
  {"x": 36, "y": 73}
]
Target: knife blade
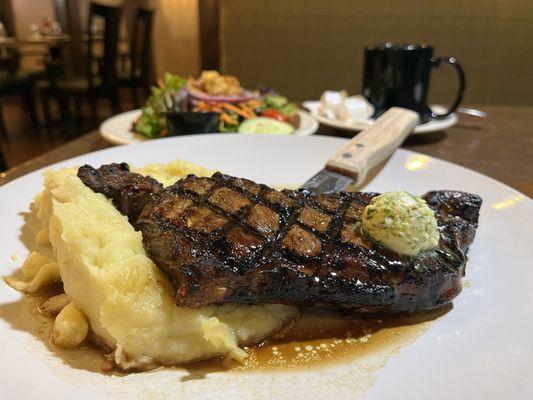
[{"x": 370, "y": 147}]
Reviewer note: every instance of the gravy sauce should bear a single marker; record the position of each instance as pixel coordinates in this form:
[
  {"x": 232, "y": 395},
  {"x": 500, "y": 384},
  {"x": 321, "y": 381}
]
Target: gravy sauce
[
  {"x": 310, "y": 341},
  {"x": 318, "y": 340}
]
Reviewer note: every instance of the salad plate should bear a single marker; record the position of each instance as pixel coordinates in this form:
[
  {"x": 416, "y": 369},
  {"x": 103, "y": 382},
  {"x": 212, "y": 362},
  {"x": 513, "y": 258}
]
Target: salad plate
[
  {"x": 118, "y": 129},
  {"x": 365, "y": 121},
  {"x": 480, "y": 348},
  {"x": 211, "y": 103},
  {"x": 238, "y": 109}
]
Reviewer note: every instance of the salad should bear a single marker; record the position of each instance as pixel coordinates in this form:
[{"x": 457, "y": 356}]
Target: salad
[{"x": 240, "y": 110}]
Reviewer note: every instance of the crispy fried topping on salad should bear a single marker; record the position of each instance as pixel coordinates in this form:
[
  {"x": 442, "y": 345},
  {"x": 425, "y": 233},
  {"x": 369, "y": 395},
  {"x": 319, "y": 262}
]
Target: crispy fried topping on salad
[{"x": 212, "y": 82}]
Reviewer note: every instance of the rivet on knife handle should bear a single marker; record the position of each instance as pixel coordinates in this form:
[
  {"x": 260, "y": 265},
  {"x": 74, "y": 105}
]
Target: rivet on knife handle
[{"x": 374, "y": 144}]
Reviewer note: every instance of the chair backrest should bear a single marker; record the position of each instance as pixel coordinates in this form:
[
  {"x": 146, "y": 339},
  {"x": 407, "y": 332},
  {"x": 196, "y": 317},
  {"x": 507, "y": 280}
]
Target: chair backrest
[
  {"x": 69, "y": 59},
  {"x": 7, "y": 18},
  {"x": 62, "y": 13},
  {"x": 9, "y": 59},
  {"x": 141, "y": 44},
  {"x": 107, "y": 66}
]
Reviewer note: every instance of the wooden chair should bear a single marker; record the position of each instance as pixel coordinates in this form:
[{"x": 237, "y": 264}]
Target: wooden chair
[
  {"x": 100, "y": 78},
  {"x": 138, "y": 75},
  {"x": 15, "y": 82}
]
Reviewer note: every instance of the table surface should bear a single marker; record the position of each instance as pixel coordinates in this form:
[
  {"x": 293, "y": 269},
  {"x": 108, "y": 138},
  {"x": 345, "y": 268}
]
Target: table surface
[
  {"x": 48, "y": 40},
  {"x": 500, "y": 146},
  {"x": 34, "y": 39}
]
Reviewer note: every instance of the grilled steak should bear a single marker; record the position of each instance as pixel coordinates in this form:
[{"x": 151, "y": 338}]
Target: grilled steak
[{"x": 230, "y": 240}]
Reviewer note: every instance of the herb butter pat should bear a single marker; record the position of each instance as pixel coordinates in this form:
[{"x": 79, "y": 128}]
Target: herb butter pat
[{"x": 401, "y": 222}]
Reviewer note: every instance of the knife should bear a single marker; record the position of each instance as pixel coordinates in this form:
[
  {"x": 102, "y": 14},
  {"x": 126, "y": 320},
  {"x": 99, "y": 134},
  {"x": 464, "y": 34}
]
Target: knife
[{"x": 370, "y": 147}]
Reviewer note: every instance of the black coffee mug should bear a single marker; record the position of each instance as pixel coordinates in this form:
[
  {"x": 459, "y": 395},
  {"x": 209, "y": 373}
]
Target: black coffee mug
[{"x": 398, "y": 76}]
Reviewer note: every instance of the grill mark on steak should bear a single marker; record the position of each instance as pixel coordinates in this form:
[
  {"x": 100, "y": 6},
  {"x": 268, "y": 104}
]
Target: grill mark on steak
[{"x": 230, "y": 240}]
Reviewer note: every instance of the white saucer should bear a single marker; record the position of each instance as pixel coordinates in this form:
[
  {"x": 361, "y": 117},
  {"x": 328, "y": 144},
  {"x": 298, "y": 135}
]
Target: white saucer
[{"x": 431, "y": 126}]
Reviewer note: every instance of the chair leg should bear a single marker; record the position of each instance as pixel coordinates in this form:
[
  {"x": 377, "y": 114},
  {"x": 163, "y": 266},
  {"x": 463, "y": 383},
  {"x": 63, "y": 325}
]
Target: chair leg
[
  {"x": 92, "y": 104},
  {"x": 135, "y": 96},
  {"x": 147, "y": 92},
  {"x": 47, "y": 116},
  {"x": 3, "y": 131},
  {"x": 115, "y": 103},
  {"x": 3, "y": 164},
  {"x": 29, "y": 102},
  {"x": 78, "y": 110},
  {"x": 64, "y": 106}
]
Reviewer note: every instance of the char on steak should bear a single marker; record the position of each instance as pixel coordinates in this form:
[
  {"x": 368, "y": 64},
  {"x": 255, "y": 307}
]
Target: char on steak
[{"x": 230, "y": 240}]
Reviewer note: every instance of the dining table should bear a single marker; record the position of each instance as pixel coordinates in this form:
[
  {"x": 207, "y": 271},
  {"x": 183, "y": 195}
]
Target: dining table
[
  {"x": 38, "y": 45},
  {"x": 48, "y": 40},
  {"x": 499, "y": 145}
]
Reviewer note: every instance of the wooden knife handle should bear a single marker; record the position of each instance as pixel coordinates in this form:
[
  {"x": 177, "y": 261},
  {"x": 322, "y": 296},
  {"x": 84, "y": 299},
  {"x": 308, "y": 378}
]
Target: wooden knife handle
[{"x": 374, "y": 144}]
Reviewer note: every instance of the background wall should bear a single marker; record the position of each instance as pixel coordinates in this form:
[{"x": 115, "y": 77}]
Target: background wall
[
  {"x": 302, "y": 47},
  {"x": 27, "y": 12},
  {"x": 176, "y": 37}
]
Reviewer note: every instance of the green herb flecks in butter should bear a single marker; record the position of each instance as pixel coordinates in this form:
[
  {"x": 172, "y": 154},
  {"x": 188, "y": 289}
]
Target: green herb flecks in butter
[{"x": 401, "y": 222}]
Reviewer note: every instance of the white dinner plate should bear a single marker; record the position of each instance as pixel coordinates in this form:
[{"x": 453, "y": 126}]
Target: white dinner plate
[
  {"x": 480, "y": 349},
  {"x": 117, "y": 129},
  {"x": 431, "y": 126}
]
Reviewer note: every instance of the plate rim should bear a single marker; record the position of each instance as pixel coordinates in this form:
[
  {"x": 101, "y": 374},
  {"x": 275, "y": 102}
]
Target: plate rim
[
  {"x": 311, "y": 137},
  {"x": 420, "y": 129},
  {"x": 412, "y": 350},
  {"x": 114, "y": 139}
]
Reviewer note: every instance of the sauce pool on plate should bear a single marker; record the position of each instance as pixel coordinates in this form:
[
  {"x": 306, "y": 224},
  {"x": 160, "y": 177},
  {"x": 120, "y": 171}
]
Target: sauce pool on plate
[{"x": 309, "y": 341}]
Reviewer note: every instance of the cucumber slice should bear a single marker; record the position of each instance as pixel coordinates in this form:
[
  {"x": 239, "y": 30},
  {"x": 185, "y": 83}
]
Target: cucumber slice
[
  {"x": 276, "y": 101},
  {"x": 265, "y": 125}
]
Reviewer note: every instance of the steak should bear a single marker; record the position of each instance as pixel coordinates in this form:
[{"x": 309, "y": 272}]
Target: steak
[{"x": 230, "y": 240}]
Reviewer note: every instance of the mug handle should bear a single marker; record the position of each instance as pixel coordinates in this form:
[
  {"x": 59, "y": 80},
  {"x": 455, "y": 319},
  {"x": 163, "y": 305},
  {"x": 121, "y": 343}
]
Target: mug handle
[{"x": 451, "y": 61}]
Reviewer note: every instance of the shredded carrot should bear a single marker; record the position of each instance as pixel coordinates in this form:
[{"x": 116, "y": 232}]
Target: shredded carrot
[
  {"x": 228, "y": 119},
  {"x": 245, "y": 113},
  {"x": 229, "y": 112},
  {"x": 205, "y": 106},
  {"x": 251, "y": 104}
]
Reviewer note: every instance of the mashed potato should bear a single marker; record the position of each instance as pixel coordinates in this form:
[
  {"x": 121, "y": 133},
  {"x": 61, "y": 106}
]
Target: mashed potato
[{"x": 114, "y": 286}]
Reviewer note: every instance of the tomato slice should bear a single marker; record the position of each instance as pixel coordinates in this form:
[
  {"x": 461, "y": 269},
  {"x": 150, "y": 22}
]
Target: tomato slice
[{"x": 274, "y": 114}]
